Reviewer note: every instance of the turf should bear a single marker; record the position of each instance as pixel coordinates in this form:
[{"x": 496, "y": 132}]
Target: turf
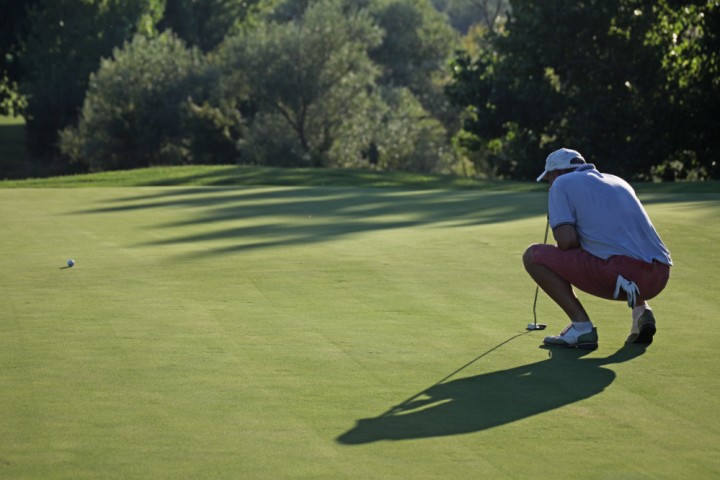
[
  {"x": 335, "y": 332},
  {"x": 237, "y": 176},
  {"x": 233, "y": 175}
]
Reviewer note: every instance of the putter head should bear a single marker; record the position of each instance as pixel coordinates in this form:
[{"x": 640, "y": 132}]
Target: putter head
[{"x": 536, "y": 326}]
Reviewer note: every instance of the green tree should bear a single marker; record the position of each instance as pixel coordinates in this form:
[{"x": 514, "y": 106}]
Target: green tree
[
  {"x": 688, "y": 34},
  {"x": 65, "y": 43},
  {"x": 409, "y": 138},
  {"x": 205, "y": 23},
  {"x": 464, "y": 14},
  {"x": 416, "y": 48},
  {"x": 311, "y": 83},
  {"x": 137, "y": 107},
  {"x": 418, "y": 42},
  {"x": 14, "y": 25},
  {"x": 586, "y": 75}
]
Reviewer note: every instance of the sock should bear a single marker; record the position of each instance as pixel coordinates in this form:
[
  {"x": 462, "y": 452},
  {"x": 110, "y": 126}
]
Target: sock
[
  {"x": 639, "y": 310},
  {"x": 583, "y": 327}
]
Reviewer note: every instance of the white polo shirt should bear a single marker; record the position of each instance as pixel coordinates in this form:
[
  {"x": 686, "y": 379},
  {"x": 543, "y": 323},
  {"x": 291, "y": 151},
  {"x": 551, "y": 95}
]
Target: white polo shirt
[{"x": 607, "y": 215}]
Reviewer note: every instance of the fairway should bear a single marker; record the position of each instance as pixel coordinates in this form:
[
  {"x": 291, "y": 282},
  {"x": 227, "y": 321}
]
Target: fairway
[{"x": 316, "y": 332}]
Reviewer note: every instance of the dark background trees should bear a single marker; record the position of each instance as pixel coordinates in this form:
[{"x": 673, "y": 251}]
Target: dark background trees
[
  {"x": 64, "y": 44},
  {"x": 14, "y": 27},
  {"x": 613, "y": 78},
  {"x": 206, "y": 23},
  {"x": 479, "y": 87}
]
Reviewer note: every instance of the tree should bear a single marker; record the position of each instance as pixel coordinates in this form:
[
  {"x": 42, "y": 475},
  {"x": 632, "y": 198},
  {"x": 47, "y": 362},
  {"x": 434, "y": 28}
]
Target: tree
[
  {"x": 464, "y": 14},
  {"x": 14, "y": 25},
  {"x": 415, "y": 51},
  {"x": 66, "y": 42},
  {"x": 418, "y": 42},
  {"x": 575, "y": 74},
  {"x": 492, "y": 11},
  {"x": 311, "y": 83},
  {"x": 205, "y": 23},
  {"x": 688, "y": 34},
  {"x": 137, "y": 106},
  {"x": 409, "y": 138}
]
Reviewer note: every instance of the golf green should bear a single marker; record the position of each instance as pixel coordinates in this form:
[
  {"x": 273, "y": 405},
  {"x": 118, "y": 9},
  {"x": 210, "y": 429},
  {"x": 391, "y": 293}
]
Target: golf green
[{"x": 336, "y": 332}]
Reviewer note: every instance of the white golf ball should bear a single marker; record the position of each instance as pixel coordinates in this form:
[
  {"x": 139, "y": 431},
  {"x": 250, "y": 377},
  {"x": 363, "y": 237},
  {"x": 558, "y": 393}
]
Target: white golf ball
[{"x": 70, "y": 262}]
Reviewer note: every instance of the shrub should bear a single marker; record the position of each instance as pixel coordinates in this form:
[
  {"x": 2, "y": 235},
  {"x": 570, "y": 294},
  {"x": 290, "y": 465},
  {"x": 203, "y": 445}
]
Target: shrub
[{"x": 138, "y": 105}]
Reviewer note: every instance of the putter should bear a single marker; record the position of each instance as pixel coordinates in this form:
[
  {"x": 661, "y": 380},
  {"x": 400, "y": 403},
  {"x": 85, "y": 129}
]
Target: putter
[{"x": 535, "y": 325}]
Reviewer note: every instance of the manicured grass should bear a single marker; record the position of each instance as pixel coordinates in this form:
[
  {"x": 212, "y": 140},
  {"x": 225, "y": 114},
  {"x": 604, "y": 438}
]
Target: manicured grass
[
  {"x": 268, "y": 331},
  {"x": 233, "y": 176},
  {"x": 230, "y": 175}
]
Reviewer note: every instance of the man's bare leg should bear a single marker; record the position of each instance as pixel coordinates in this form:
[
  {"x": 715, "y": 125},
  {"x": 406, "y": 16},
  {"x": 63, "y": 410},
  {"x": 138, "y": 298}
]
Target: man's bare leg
[{"x": 556, "y": 287}]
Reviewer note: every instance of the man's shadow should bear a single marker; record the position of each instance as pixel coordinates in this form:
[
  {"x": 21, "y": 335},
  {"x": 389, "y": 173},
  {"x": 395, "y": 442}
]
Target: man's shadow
[{"x": 488, "y": 400}]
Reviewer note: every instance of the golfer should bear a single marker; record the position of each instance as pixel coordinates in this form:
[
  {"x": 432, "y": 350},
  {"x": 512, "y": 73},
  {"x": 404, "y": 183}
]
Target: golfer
[{"x": 606, "y": 246}]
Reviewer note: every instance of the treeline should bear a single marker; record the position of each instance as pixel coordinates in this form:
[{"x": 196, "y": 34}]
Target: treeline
[
  {"x": 633, "y": 84},
  {"x": 473, "y": 87}
]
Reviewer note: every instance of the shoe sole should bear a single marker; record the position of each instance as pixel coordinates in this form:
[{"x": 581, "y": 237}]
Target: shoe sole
[{"x": 647, "y": 332}]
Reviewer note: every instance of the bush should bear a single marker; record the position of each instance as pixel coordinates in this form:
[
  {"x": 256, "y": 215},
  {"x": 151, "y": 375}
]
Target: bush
[{"x": 138, "y": 106}]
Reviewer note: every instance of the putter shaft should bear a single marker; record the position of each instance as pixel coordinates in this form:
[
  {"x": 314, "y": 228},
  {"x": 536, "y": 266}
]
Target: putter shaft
[{"x": 535, "y": 325}]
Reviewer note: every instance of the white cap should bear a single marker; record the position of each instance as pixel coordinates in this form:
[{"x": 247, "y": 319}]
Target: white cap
[{"x": 562, "y": 159}]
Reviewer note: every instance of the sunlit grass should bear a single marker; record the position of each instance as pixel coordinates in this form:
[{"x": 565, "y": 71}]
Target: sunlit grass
[
  {"x": 334, "y": 332},
  {"x": 229, "y": 175}
]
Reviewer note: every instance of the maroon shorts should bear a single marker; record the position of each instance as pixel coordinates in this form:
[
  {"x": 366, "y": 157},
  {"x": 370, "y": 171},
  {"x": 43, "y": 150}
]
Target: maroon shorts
[{"x": 598, "y": 277}]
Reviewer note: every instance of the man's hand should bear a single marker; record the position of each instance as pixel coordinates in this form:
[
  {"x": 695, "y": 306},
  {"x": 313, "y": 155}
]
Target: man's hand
[{"x": 566, "y": 237}]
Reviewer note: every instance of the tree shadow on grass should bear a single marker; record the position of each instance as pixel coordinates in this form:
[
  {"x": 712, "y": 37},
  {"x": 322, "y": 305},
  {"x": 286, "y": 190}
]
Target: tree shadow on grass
[
  {"x": 254, "y": 218},
  {"x": 280, "y": 216},
  {"x": 489, "y": 400}
]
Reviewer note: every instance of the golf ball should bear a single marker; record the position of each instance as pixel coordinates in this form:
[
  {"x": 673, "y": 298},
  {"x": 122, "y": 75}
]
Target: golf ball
[{"x": 70, "y": 262}]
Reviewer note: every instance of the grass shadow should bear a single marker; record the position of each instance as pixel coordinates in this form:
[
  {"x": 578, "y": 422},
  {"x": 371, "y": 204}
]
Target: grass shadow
[
  {"x": 493, "y": 399},
  {"x": 252, "y": 218},
  {"x": 271, "y": 217}
]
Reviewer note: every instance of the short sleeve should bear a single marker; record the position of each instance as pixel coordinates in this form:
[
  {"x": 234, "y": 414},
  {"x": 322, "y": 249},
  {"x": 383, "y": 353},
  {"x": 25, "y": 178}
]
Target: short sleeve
[{"x": 560, "y": 209}]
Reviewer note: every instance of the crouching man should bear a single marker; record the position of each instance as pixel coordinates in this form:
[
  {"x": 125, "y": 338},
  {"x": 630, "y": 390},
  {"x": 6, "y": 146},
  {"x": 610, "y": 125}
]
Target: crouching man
[{"x": 606, "y": 246}]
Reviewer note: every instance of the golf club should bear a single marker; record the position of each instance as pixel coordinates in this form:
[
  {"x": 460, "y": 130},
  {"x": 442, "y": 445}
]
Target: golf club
[{"x": 535, "y": 325}]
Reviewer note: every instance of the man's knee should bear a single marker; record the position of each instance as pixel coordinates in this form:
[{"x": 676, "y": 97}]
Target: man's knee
[{"x": 528, "y": 256}]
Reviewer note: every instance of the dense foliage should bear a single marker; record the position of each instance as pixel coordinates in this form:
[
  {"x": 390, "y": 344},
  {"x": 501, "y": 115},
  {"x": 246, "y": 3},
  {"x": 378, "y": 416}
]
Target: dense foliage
[
  {"x": 632, "y": 83},
  {"x": 478, "y": 87},
  {"x": 65, "y": 44},
  {"x": 136, "y": 107},
  {"x": 311, "y": 82}
]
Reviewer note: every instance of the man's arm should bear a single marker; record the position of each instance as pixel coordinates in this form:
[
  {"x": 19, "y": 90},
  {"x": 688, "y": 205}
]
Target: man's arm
[{"x": 566, "y": 237}]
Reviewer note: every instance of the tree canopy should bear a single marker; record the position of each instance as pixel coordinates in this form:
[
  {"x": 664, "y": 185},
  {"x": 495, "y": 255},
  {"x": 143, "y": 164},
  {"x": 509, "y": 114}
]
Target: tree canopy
[
  {"x": 479, "y": 87},
  {"x": 136, "y": 106},
  {"x": 613, "y": 78},
  {"x": 310, "y": 76}
]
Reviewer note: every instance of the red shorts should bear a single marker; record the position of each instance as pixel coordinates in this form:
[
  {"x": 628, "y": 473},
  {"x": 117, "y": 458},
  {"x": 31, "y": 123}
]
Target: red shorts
[{"x": 598, "y": 277}]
